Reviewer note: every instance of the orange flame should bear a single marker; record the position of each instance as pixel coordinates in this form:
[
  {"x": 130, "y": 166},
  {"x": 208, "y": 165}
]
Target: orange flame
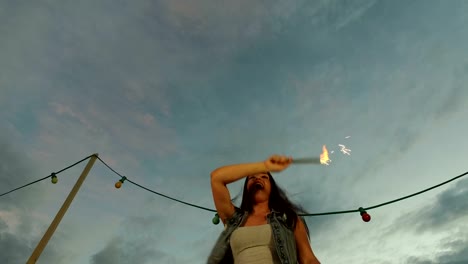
[{"x": 324, "y": 159}]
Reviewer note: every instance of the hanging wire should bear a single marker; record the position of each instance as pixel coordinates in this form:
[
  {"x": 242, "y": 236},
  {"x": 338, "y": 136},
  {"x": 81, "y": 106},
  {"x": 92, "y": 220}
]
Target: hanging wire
[
  {"x": 392, "y": 201},
  {"x": 149, "y": 190},
  {"x": 417, "y": 193},
  {"x": 41, "y": 179},
  {"x": 317, "y": 214},
  {"x": 212, "y": 210}
]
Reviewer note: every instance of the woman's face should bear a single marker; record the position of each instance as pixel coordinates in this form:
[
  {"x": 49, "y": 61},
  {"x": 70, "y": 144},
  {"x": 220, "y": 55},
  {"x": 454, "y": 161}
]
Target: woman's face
[{"x": 260, "y": 185}]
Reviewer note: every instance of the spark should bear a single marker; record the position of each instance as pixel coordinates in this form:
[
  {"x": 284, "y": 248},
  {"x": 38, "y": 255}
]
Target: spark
[{"x": 344, "y": 149}]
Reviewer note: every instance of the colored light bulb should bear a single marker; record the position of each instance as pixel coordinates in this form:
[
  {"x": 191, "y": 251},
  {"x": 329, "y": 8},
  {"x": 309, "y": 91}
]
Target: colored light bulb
[
  {"x": 54, "y": 178},
  {"x": 118, "y": 184},
  {"x": 216, "y": 219},
  {"x": 366, "y": 217}
]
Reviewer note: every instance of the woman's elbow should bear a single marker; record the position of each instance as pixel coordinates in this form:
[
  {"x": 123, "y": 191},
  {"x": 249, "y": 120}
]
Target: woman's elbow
[{"x": 214, "y": 174}]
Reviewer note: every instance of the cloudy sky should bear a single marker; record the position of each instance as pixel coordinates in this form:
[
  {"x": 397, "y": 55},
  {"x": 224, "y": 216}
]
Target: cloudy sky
[{"x": 166, "y": 91}]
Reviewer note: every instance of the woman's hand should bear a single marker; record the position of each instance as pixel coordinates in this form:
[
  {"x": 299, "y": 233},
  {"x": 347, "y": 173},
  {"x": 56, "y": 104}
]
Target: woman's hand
[{"x": 277, "y": 163}]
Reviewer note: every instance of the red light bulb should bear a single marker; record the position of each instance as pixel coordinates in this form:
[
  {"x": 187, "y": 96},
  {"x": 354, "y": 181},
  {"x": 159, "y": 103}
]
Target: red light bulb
[{"x": 366, "y": 217}]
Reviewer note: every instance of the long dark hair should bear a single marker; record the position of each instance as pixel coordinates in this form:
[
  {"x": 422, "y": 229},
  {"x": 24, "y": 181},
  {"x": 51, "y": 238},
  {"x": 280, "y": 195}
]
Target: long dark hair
[{"x": 278, "y": 201}]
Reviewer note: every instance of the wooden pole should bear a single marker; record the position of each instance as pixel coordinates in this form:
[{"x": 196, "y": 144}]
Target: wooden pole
[{"x": 53, "y": 226}]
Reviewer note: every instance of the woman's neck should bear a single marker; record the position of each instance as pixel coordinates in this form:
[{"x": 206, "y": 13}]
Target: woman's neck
[{"x": 261, "y": 208}]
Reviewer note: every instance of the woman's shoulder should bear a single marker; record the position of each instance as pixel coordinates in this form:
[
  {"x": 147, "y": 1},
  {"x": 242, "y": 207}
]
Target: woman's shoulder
[{"x": 238, "y": 214}]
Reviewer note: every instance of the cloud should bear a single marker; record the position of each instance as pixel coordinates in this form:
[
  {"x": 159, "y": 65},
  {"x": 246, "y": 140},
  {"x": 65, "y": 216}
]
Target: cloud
[
  {"x": 357, "y": 9},
  {"x": 17, "y": 248},
  {"x": 146, "y": 119},
  {"x": 453, "y": 252},
  {"x": 18, "y": 225},
  {"x": 100, "y": 129},
  {"x": 140, "y": 83},
  {"x": 448, "y": 208},
  {"x": 335, "y": 14},
  {"x": 61, "y": 109},
  {"x": 140, "y": 239},
  {"x": 457, "y": 94},
  {"x": 226, "y": 27},
  {"x": 444, "y": 218},
  {"x": 14, "y": 249},
  {"x": 421, "y": 84},
  {"x": 16, "y": 170},
  {"x": 120, "y": 251},
  {"x": 77, "y": 61}
]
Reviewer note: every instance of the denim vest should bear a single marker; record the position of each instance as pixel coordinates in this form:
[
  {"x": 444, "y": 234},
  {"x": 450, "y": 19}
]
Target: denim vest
[{"x": 283, "y": 237}]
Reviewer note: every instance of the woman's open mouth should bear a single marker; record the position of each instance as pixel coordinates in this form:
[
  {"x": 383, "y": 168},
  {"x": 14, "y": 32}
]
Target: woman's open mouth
[{"x": 258, "y": 185}]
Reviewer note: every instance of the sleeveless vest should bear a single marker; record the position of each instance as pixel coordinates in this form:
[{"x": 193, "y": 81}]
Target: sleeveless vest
[{"x": 283, "y": 236}]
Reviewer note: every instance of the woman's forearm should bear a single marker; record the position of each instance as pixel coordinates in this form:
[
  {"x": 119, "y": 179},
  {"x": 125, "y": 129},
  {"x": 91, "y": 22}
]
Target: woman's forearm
[{"x": 231, "y": 173}]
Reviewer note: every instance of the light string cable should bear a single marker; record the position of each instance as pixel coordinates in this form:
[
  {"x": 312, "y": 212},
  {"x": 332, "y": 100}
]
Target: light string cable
[
  {"x": 155, "y": 192},
  {"x": 51, "y": 175},
  {"x": 317, "y": 214},
  {"x": 392, "y": 201},
  {"x": 212, "y": 210}
]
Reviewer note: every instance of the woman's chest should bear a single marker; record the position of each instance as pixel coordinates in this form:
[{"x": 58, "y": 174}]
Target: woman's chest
[{"x": 254, "y": 220}]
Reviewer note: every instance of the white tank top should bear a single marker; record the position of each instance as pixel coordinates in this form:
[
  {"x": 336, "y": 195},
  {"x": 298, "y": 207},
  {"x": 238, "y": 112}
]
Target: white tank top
[{"x": 253, "y": 244}]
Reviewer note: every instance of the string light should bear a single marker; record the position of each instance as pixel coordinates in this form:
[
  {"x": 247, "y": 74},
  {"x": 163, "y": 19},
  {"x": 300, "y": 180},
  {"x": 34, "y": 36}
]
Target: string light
[
  {"x": 216, "y": 219},
  {"x": 365, "y": 216},
  {"x": 54, "y": 178},
  {"x": 363, "y": 211},
  {"x": 152, "y": 191},
  {"x": 41, "y": 179},
  {"x": 119, "y": 183}
]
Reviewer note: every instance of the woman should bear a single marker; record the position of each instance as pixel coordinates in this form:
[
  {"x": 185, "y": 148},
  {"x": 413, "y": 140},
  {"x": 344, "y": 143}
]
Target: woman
[{"x": 266, "y": 228}]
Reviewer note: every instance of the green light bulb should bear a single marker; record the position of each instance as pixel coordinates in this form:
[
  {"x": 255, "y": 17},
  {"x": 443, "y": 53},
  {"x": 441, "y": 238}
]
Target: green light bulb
[
  {"x": 216, "y": 219},
  {"x": 54, "y": 179}
]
